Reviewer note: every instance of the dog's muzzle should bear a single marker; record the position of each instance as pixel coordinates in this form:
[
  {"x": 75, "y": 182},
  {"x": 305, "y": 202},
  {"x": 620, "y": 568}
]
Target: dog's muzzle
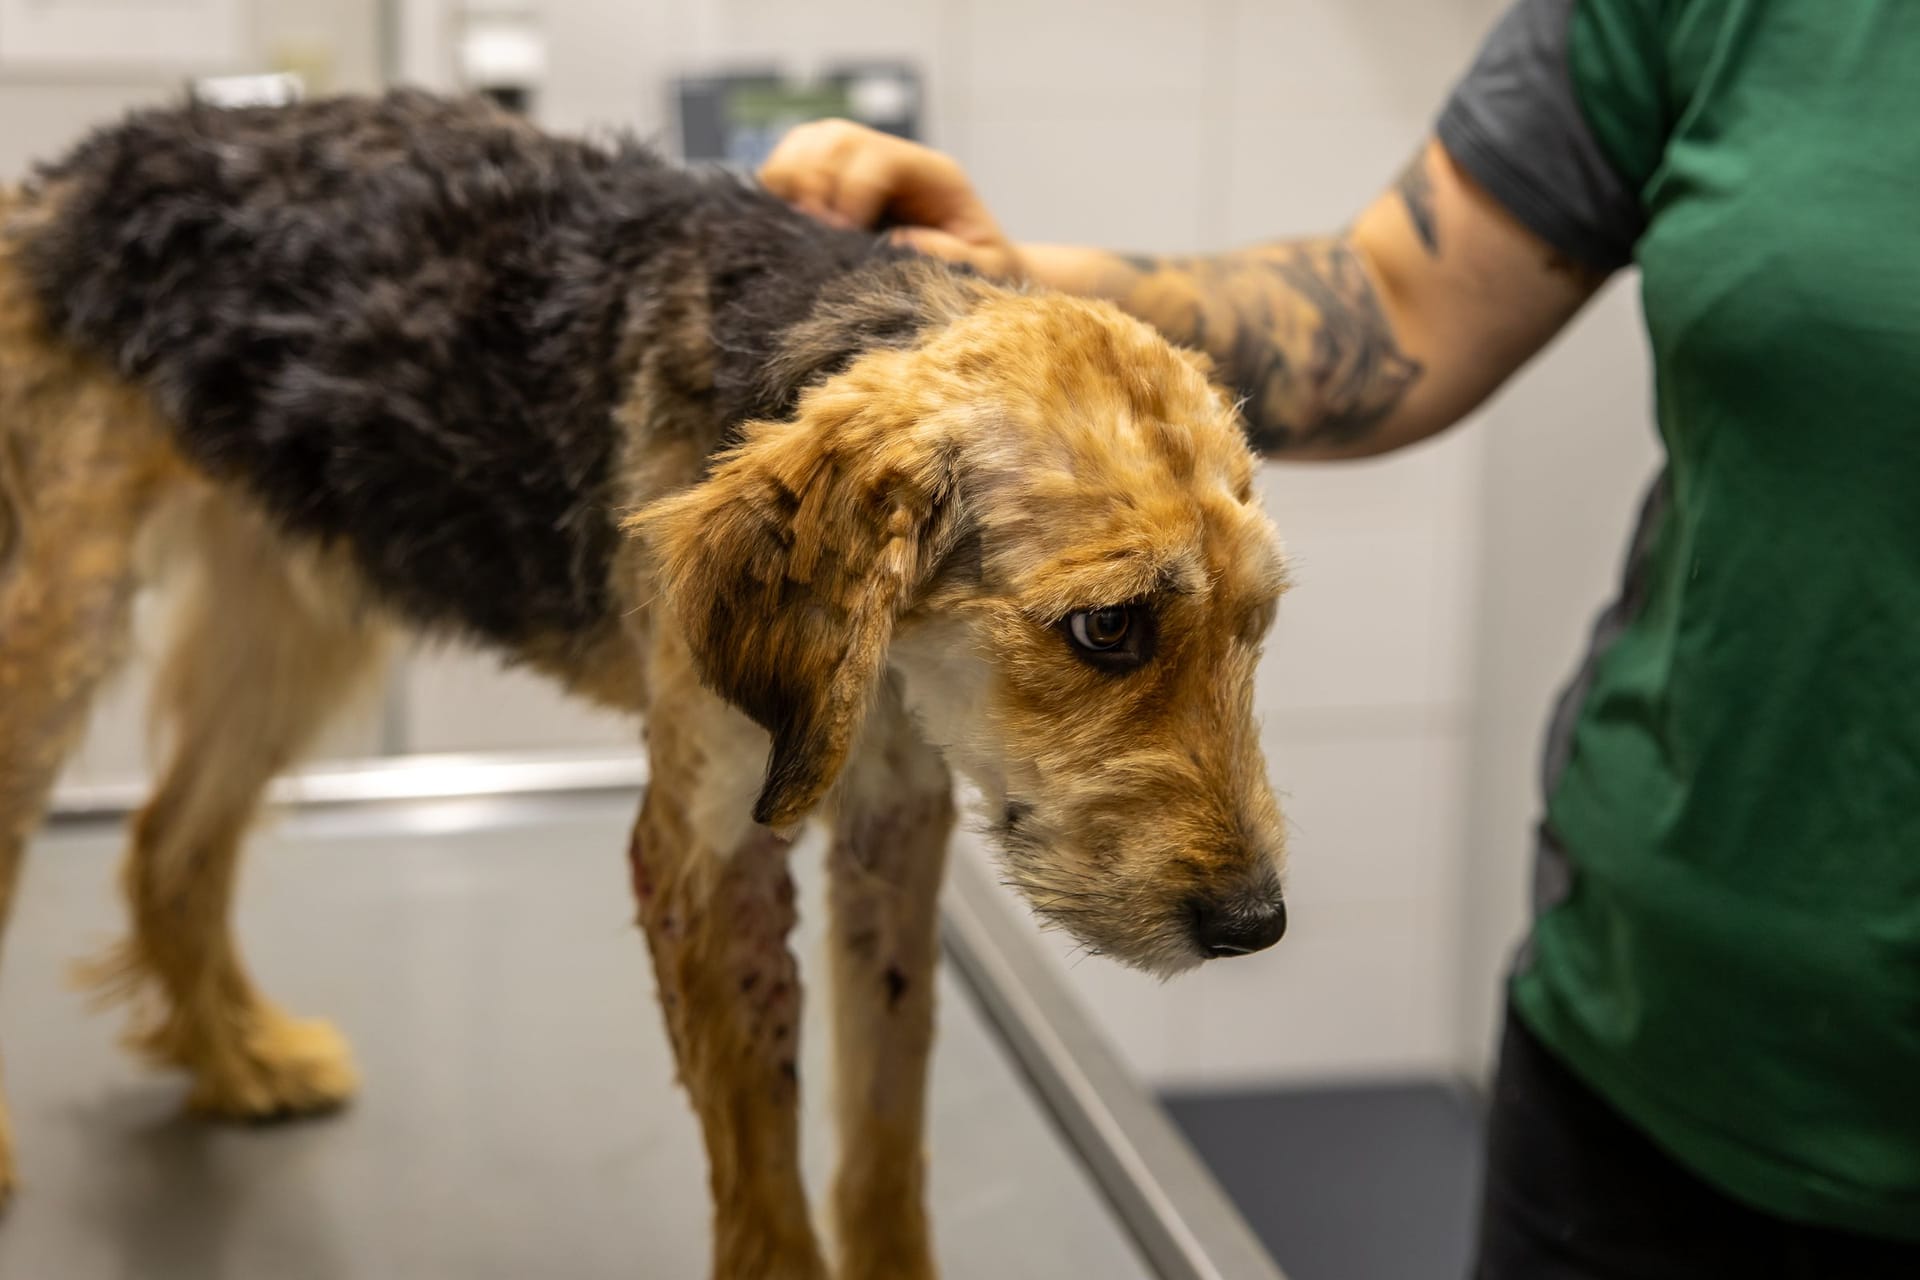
[{"x": 1238, "y": 925}]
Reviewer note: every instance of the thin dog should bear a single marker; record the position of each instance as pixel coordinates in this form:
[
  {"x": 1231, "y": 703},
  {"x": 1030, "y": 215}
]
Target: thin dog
[{"x": 830, "y": 519}]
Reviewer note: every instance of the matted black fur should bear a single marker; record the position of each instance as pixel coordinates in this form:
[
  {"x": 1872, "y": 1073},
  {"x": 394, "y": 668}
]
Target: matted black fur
[{"x": 405, "y": 323}]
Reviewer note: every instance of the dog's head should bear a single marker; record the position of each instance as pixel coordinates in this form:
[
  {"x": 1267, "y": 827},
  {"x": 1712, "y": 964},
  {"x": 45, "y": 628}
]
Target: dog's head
[{"x": 1041, "y": 518}]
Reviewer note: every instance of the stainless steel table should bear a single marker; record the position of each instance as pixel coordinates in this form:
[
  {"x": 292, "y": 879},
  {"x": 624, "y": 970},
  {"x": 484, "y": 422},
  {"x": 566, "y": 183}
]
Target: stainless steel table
[{"x": 467, "y": 925}]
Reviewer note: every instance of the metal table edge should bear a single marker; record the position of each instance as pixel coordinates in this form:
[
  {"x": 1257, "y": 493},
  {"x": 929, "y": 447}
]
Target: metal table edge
[{"x": 1181, "y": 1220}]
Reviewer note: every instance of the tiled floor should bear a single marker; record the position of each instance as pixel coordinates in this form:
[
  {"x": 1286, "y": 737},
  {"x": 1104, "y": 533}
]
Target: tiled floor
[{"x": 1361, "y": 1183}]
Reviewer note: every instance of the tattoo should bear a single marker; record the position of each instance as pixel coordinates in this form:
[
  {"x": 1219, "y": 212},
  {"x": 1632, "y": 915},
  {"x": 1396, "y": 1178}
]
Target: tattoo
[
  {"x": 1416, "y": 193},
  {"x": 1298, "y": 329}
]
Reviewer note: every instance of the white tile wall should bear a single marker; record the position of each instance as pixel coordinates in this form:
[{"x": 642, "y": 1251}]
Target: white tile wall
[
  {"x": 1306, "y": 175},
  {"x": 1333, "y": 60},
  {"x": 1379, "y": 615},
  {"x": 1373, "y": 814},
  {"x": 455, "y": 699},
  {"x": 1353, "y": 991},
  {"x": 1145, "y": 59},
  {"x": 1084, "y": 178},
  {"x": 608, "y": 62}
]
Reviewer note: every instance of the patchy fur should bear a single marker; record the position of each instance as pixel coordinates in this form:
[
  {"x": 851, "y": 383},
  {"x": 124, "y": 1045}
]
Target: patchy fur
[
  {"x": 824, "y": 515},
  {"x": 433, "y": 387},
  {"x": 891, "y": 823}
]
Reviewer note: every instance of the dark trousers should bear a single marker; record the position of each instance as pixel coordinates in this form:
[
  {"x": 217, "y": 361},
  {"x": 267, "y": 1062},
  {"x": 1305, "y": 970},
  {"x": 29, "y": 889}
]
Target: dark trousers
[{"x": 1575, "y": 1192}]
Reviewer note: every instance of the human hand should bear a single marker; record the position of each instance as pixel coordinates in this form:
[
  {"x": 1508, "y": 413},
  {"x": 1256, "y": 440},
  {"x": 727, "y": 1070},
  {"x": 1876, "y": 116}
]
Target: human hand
[{"x": 848, "y": 175}]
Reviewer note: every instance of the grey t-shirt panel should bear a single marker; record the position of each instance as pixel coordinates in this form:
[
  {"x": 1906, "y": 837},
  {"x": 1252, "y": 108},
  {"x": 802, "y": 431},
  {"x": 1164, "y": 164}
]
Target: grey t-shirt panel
[{"x": 1514, "y": 123}]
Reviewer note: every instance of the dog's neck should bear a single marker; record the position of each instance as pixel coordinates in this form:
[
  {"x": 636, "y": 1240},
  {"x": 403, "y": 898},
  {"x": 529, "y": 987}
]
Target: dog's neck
[{"x": 756, "y": 302}]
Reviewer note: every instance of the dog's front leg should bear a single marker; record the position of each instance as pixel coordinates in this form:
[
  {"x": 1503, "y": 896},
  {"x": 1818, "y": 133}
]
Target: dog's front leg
[
  {"x": 889, "y": 848},
  {"x": 717, "y": 904}
]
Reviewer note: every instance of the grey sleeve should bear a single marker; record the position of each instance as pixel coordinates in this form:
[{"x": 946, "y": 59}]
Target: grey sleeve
[{"x": 1514, "y": 123}]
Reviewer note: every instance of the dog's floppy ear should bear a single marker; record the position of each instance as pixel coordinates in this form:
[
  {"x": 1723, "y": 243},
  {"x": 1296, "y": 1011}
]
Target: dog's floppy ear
[{"x": 787, "y": 566}]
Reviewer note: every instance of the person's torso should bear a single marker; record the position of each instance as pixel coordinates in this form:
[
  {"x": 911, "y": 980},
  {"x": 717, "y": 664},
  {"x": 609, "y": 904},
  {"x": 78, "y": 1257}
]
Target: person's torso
[{"x": 1741, "y": 801}]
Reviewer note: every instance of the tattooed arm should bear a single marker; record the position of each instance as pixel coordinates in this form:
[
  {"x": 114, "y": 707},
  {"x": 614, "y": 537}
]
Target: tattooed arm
[
  {"x": 1298, "y": 328},
  {"x": 1342, "y": 345},
  {"x": 1360, "y": 342}
]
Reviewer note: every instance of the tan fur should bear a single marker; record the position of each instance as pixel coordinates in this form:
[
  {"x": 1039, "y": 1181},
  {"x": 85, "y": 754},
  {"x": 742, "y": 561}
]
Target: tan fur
[
  {"x": 716, "y": 902},
  {"x": 829, "y": 548},
  {"x": 875, "y": 587},
  {"x": 1094, "y": 465},
  {"x": 891, "y": 822},
  {"x": 267, "y": 647},
  {"x": 81, "y": 461}
]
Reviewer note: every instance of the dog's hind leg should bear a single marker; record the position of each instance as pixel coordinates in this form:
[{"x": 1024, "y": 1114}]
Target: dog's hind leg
[
  {"x": 717, "y": 904},
  {"x": 892, "y": 820},
  {"x": 264, "y": 652},
  {"x": 81, "y": 462},
  {"x": 63, "y": 608}
]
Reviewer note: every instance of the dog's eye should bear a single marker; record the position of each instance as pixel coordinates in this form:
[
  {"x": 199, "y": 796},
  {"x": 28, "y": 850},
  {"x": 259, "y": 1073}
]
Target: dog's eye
[
  {"x": 1100, "y": 630},
  {"x": 1118, "y": 637}
]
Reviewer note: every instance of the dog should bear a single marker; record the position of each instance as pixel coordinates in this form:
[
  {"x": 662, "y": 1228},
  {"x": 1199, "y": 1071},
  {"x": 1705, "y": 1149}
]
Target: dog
[{"x": 830, "y": 519}]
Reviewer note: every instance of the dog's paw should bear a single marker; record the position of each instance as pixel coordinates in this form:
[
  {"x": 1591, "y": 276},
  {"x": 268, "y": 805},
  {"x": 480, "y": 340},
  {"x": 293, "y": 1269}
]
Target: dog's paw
[{"x": 281, "y": 1068}]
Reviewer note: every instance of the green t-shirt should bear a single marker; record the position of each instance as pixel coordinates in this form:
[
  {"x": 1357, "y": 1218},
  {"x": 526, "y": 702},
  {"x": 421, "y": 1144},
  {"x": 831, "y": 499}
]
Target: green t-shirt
[{"x": 1728, "y": 946}]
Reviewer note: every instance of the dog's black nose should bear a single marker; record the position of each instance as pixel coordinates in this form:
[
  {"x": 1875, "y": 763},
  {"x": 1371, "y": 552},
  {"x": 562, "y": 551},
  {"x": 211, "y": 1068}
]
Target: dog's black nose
[{"x": 1240, "y": 926}]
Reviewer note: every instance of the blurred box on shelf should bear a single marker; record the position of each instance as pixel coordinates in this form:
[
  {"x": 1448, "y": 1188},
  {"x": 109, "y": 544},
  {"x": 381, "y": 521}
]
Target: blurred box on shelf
[{"x": 734, "y": 118}]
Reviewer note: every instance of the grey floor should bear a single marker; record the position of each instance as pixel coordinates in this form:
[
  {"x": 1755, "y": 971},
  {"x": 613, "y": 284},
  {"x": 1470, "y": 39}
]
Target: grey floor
[
  {"x": 518, "y": 1117},
  {"x": 1361, "y": 1183}
]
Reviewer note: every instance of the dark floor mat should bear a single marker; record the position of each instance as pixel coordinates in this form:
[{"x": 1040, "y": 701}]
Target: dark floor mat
[{"x": 1361, "y": 1183}]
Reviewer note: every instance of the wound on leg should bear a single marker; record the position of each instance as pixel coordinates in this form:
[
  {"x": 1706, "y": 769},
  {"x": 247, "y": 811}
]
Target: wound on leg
[{"x": 637, "y": 864}]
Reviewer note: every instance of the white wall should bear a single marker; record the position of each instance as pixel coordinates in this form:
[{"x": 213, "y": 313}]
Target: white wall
[
  {"x": 1441, "y": 594},
  {"x": 336, "y": 46}
]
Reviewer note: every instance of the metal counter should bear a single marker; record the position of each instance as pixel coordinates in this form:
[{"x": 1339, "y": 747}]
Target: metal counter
[{"x": 466, "y": 922}]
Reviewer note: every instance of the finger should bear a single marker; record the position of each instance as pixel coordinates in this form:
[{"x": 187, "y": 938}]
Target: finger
[
  {"x": 864, "y": 175},
  {"x": 859, "y": 174},
  {"x": 945, "y": 245},
  {"x": 849, "y": 175},
  {"x": 803, "y": 170},
  {"x": 938, "y": 195},
  {"x": 811, "y": 190},
  {"x": 802, "y": 153},
  {"x": 822, "y": 211},
  {"x": 871, "y": 186}
]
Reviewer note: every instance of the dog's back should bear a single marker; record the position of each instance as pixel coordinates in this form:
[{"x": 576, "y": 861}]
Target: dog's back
[{"x": 405, "y": 325}]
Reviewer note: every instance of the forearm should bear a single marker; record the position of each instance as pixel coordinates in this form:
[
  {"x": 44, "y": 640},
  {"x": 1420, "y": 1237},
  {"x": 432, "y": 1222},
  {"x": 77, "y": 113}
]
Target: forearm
[
  {"x": 1340, "y": 345},
  {"x": 1299, "y": 328}
]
